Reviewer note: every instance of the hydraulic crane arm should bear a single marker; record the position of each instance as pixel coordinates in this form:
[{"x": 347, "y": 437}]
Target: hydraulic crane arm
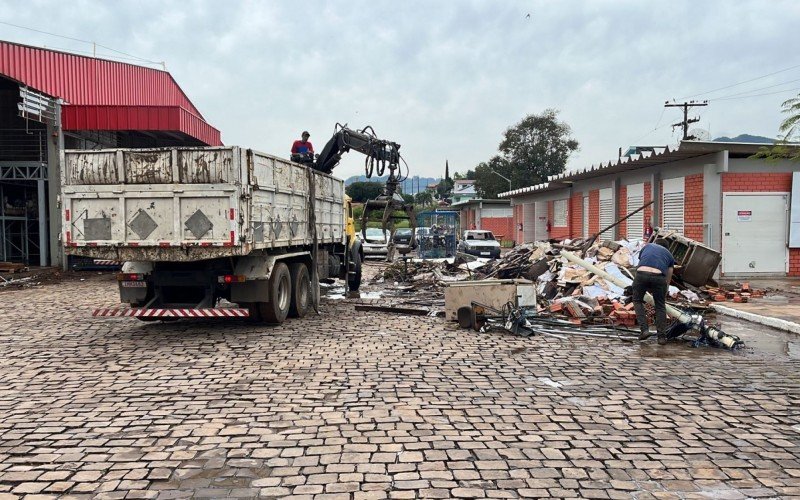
[{"x": 380, "y": 153}]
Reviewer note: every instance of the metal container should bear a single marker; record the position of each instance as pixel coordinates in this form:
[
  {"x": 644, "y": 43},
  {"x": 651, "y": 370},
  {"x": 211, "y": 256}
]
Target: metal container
[
  {"x": 188, "y": 204},
  {"x": 698, "y": 262}
]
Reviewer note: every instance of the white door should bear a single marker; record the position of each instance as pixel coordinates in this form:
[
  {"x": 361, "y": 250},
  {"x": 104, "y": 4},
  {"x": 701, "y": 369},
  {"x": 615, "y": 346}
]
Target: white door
[
  {"x": 540, "y": 225},
  {"x": 635, "y": 224},
  {"x": 585, "y": 216},
  {"x": 528, "y": 222},
  {"x": 754, "y": 232}
]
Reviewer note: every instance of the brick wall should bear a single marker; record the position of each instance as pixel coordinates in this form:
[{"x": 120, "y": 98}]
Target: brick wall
[
  {"x": 780, "y": 182},
  {"x": 751, "y": 182},
  {"x": 648, "y": 212},
  {"x": 794, "y": 262},
  {"x": 500, "y": 226},
  {"x": 622, "y": 211},
  {"x": 693, "y": 207},
  {"x": 576, "y": 215},
  {"x": 594, "y": 211}
]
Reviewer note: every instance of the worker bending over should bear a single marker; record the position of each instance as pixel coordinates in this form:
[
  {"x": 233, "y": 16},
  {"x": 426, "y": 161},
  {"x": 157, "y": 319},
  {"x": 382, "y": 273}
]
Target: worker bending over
[{"x": 653, "y": 275}]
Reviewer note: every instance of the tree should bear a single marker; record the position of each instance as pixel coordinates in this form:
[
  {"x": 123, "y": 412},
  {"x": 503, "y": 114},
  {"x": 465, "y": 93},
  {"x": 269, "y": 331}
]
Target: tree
[
  {"x": 445, "y": 188},
  {"x": 536, "y": 147},
  {"x": 470, "y": 175},
  {"x": 790, "y": 133},
  {"x": 487, "y": 183},
  {"x": 424, "y": 198},
  {"x": 447, "y": 170},
  {"x": 363, "y": 191}
]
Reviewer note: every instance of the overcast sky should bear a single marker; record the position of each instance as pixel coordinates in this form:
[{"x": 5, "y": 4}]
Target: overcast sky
[{"x": 445, "y": 79}]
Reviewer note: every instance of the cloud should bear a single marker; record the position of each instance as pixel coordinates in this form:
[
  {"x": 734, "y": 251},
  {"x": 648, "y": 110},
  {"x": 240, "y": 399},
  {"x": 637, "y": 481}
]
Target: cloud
[{"x": 444, "y": 79}]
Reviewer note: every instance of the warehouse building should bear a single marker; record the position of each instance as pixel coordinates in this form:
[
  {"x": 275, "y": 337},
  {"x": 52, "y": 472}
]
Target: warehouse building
[
  {"x": 52, "y": 100},
  {"x": 712, "y": 192},
  {"x": 492, "y": 215}
]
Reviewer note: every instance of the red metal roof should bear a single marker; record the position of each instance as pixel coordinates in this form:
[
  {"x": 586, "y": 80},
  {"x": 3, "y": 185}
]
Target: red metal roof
[{"x": 106, "y": 95}]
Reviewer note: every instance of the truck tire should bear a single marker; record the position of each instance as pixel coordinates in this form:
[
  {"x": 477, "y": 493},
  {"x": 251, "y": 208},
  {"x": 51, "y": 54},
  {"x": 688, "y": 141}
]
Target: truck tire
[
  {"x": 354, "y": 280},
  {"x": 280, "y": 295},
  {"x": 301, "y": 290}
]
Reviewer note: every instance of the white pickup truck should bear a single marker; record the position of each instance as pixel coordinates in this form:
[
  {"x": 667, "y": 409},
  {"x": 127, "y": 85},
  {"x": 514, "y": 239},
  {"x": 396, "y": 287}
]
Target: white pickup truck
[
  {"x": 480, "y": 243},
  {"x": 200, "y": 224}
]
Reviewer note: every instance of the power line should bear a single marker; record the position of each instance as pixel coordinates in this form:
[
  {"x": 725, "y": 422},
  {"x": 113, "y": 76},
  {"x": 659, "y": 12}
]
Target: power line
[
  {"x": 82, "y": 41},
  {"x": 755, "y": 90},
  {"x": 99, "y": 55},
  {"x": 740, "y": 83},
  {"x": 757, "y": 95}
]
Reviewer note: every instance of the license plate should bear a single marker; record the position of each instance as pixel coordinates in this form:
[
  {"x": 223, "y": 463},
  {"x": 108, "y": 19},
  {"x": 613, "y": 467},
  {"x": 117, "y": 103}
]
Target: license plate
[
  {"x": 485, "y": 253},
  {"x": 134, "y": 284}
]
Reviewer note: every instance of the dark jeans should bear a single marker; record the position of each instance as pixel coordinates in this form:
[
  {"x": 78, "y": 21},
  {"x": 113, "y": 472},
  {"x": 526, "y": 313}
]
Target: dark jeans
[{"x": 657, "y": 285}]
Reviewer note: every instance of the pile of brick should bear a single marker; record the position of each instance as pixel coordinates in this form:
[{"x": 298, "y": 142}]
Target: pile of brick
[
  {"x": 739, "y": 294},
  {"x": 622, "y": 315}
]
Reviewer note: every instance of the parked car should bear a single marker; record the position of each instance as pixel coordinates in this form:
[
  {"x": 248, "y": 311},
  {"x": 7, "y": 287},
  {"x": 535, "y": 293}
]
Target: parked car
[
  {"x": 480, "y": 243},
  {"x": 402, "y": 236},
  {"x": 376, "y": 242}
]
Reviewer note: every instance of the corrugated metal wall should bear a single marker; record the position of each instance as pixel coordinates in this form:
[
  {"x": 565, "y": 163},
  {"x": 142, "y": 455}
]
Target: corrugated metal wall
[
  {"x": 106, "y": 95},
  {"x": 86, "y": 80}
]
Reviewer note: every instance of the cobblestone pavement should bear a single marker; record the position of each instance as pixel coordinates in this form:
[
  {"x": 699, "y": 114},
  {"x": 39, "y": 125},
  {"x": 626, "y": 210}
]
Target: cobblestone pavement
[{"x": 364, "y": 405}]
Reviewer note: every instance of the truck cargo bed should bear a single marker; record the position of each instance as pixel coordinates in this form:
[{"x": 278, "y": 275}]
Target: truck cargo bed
[{"x": 186, "y": 204}]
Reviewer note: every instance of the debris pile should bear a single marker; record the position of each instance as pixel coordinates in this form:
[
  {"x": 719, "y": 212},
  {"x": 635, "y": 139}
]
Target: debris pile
[
  {"x": 741, "y": 293},
  {"x": 580, "y": 283}
]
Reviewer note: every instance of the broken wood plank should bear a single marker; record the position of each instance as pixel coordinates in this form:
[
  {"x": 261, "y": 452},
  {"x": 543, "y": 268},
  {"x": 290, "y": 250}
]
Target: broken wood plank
[{"x": 390, "y": 309}]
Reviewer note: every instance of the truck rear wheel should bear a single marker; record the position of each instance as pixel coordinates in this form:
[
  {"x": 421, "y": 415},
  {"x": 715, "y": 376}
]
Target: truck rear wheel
[
  {"x": 354, "y": 280},
  {"x": 301, "y": 290},
  {"x": 280, "y": 295}
]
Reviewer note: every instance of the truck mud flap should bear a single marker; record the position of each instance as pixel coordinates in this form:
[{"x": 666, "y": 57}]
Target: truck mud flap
[{"x": 172, "y": 313}]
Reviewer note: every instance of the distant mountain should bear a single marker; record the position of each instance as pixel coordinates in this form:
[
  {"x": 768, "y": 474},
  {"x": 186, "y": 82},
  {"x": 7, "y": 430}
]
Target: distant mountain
[
  {"x": 411, "y": 185},
  {"x": 746, "y": 138}
]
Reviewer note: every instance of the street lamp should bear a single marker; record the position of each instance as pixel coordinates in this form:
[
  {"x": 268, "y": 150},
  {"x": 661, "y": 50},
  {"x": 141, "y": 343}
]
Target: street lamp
[{"x": 503, "y": 176}]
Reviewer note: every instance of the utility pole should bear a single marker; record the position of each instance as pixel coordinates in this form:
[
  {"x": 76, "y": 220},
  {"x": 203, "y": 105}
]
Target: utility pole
[{"x": 686, "y": 120}]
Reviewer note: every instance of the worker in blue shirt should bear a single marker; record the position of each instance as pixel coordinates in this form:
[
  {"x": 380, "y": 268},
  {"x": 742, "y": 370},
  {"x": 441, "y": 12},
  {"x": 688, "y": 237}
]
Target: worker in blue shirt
[{"x": 653, "y": 275}]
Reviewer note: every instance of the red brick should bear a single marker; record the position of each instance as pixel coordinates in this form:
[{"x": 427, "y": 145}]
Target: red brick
[
  {"x": 622, "y": 210},
  {"x": 594, "y": 211},
  {"x": 576, "y": 215}
]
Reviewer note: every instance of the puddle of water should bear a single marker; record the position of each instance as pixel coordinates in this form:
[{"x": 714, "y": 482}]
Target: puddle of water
[{"x": 760, "y": 338}]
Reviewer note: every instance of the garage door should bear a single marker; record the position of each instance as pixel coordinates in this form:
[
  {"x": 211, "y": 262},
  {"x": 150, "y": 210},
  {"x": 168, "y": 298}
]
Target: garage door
[
  {"x": 673, "y": 204},
  {"x": 528, "y": 222},
  {"x": 606, "y": 212},
  {"x": 635, "y": 225},
  {"x": 585, "y": 216},
  {"x": 754, "y": 231},
  {"x": 540, "y": 225}
]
